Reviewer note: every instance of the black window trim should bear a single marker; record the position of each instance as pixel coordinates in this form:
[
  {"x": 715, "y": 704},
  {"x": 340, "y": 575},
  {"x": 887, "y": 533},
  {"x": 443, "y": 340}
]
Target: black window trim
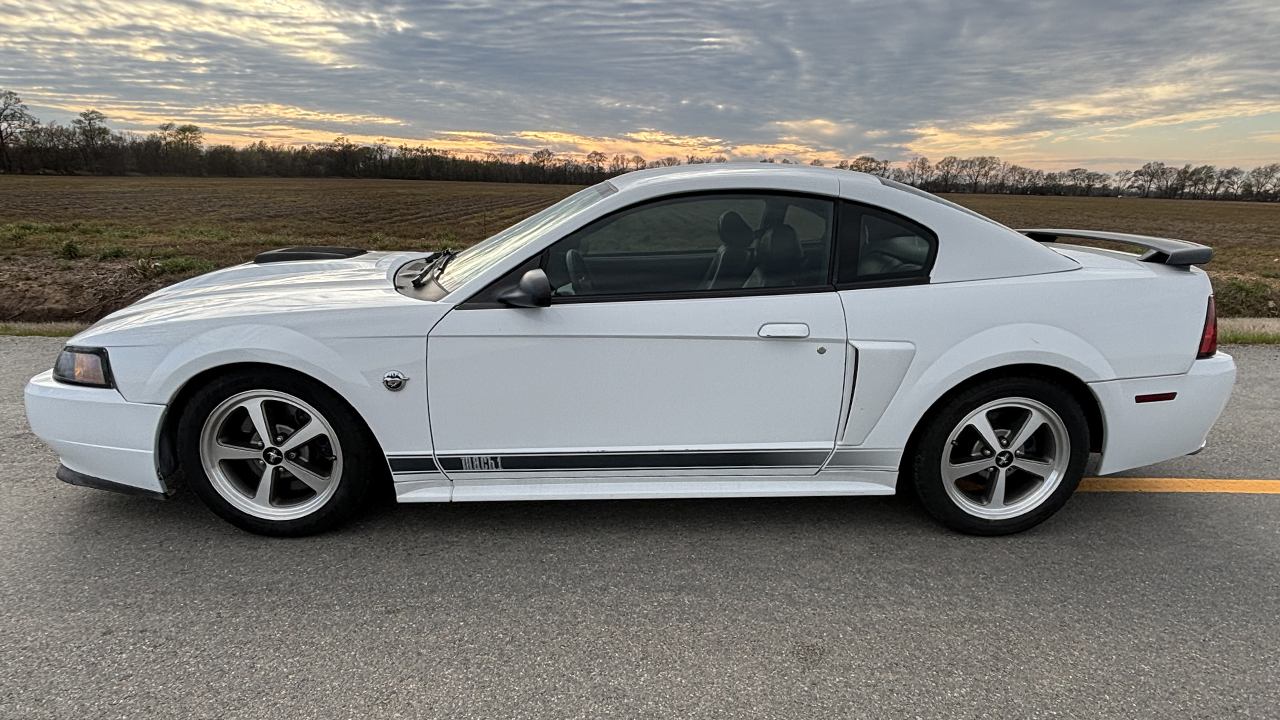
[
  {"x": 922, "y": 277},
  {"x": 475, "y": 303},
  {"x": 829, "y": 286},
  {"x": 691, "y": 294},
  {"x": 883, "y": 283},
  {"x": 543, "y": 256}
]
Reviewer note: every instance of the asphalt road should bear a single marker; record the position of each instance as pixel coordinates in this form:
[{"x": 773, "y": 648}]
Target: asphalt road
[{"x": 1123, "y": 605}]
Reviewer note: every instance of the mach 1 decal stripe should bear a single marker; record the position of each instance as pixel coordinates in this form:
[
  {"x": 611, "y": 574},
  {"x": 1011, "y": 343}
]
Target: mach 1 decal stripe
[
  {"x": 614, "y": 461},
  {"x": 425, "y": 464},
  {"x": 633, "y": 461},
  {"x": 866, "y": 458}
]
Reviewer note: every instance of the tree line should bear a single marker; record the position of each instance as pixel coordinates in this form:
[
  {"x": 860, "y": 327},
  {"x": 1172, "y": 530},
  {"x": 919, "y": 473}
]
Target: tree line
[
  {"x": 988, "y": 174},
  {"x": 88, "y": 146}
]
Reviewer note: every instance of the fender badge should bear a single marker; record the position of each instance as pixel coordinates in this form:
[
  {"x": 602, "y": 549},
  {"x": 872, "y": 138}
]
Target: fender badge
[{"x": 394, "y": 380}]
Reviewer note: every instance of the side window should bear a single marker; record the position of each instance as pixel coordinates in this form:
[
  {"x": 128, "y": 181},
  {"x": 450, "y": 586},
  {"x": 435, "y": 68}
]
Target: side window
[
  {"x": 737, "y": 241},
  {"x": 876, "y": 245}
]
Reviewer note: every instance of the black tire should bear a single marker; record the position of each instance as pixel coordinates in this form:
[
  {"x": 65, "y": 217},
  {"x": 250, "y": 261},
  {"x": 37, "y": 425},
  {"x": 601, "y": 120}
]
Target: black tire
[
  {"x": 925, "y": 464},
  {"x": 360, "y": 458}
]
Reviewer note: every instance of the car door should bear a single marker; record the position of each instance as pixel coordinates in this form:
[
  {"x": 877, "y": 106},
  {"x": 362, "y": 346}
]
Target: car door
[{"x": 644, "y": 367}]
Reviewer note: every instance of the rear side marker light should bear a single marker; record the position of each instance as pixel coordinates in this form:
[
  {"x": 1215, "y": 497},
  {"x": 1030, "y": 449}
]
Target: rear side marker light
[
  {"x": 1209, "y": 338},
  {"x": 1155, "y": 397}
]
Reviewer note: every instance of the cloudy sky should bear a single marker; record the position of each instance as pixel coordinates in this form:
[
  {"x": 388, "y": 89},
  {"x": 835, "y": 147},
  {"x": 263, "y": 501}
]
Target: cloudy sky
[{"x": 1048, "y": 83}]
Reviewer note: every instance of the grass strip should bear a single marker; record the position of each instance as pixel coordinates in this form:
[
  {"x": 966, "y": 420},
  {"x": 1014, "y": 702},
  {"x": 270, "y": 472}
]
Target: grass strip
[
  {"x": 1236, "y": 337},
  {"x": 1249, "y": 331},
  {"x": 41, "y": 329}
]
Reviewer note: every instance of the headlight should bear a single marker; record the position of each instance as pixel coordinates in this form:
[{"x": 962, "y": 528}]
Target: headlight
[{"x": 83, "y": 366}]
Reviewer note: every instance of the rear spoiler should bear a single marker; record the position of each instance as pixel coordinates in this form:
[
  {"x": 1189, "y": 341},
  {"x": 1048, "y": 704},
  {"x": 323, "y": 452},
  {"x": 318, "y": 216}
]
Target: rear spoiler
[{"x": 1159, "y": 250}]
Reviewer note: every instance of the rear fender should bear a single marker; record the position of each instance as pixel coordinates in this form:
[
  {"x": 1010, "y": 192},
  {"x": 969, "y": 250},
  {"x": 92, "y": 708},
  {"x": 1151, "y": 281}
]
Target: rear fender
[{"x": 929, "y": 380}]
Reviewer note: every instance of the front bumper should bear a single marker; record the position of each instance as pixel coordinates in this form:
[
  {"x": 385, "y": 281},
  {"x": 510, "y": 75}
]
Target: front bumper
[
  {"x": 1138, "y": 434},
  {"x": 104, "y": 441},
  {"x": 71, "y": 477}
]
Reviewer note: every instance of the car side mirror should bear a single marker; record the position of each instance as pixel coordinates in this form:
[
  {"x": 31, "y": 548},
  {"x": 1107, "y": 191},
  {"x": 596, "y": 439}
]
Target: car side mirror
[{"x": 533, "y": 290}]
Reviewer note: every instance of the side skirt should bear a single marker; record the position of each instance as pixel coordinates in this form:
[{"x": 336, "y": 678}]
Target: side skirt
[
  {"x": 616, "y": 476},
  {"x": 417, "y": 479},
  {"x": 869, "y": 482}
]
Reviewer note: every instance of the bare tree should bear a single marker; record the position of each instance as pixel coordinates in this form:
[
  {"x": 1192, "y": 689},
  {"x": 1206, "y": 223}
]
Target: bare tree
[
  {"x": 542, "y": 158},
  {"x": 1231, "y": 179},
  {"x": 919, "y": 171},
  {"x": 1151, "y": 176},
  {"x": 1101, "y": 181},
  {"x": 1200, "y": 181},
  {"x": 1217, "y": 182},
  {"x": 1124, "y": 180},
  {"x": 1263, "y": 183},
  {"x": 14, "y": 120},
  {"x": 185, "y": 143},
  {"x": 869, "y": 165},
  {"x": 92, "y": 132},
  {"x": 977, "y": 171},
  {"x": 946, "y": 172},
  {"x": 188, "y": 136}
]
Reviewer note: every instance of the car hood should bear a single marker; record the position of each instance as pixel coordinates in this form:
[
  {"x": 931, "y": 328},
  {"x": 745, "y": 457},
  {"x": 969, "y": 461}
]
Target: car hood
[{"x": 268, "y": 289}]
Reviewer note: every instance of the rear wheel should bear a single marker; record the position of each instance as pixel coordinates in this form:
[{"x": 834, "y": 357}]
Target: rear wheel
[
  {"x": 275, "y": 454},
  {"x": 1002, "y": 456}
]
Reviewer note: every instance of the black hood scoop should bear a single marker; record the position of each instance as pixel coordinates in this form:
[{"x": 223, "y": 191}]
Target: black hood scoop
[{"x": 308, "y": 253}]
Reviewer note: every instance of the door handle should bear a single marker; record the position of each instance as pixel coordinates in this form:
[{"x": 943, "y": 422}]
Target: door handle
[{"x": 784, "y": 330}]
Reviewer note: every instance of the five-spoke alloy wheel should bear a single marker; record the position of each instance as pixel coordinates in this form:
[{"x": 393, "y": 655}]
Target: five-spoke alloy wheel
[
  {"x": 1002, "y": 456},
  {"x": 271, "y": 455},
  {"x": 274, "y": 453}
]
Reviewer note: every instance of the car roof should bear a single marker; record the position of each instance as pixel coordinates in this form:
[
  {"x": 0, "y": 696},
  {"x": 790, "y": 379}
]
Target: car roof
[
  {"x": 971, "y": 246},
  {"x": 776, "y": 172}
]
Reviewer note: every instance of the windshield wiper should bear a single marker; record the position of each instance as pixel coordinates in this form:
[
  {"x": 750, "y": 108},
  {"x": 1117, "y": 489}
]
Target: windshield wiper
[{"x": 434, "y": 268}]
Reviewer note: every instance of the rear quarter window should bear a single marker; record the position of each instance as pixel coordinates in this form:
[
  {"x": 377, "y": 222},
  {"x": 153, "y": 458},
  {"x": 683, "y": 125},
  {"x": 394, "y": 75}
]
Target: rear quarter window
[{"x": 877, "y": 246}]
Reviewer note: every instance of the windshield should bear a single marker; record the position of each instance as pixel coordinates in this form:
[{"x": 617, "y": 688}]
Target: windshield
[{"x": 480, "y": 257}]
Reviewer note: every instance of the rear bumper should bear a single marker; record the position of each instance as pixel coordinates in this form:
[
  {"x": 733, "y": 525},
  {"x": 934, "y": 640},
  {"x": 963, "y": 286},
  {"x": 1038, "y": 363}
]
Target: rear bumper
[
  {"x": 1142, "y": 433},
  {"x": 104, "y": 441}
]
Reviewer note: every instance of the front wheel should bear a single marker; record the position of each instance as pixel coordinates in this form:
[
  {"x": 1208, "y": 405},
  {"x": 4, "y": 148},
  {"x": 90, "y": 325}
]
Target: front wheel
[
  {"x": 274, "y": 454},
  {"x": 1002, "y": 456}
]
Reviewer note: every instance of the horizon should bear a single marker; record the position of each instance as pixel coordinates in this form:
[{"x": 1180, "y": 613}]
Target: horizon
[{"x": 1058, "y": 86}]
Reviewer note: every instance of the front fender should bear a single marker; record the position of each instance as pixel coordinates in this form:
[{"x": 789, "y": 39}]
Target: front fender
[
  {"x": 247, "y": 343},
  {"x": 353, "y": 367}
]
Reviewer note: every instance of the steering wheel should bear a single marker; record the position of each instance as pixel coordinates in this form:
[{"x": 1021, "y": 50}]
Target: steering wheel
[{"x": 580, "y": 277}]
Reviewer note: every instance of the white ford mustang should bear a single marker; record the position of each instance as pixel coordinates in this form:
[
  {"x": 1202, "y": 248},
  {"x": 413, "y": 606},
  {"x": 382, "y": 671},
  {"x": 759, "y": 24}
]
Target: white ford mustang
[{"x": 702, "y": 331}]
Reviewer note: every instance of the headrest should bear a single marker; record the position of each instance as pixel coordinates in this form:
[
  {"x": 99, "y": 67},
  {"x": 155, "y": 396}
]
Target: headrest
[
  {"x": 907, "y": 248},
  {"x": 779, "y": 249},
  {"x": 735, "y": 232}
]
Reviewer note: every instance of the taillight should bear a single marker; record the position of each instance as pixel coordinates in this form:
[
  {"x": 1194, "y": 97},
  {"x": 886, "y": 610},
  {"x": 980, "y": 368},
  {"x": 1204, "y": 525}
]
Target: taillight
[{"x": 1209, "y": 338}]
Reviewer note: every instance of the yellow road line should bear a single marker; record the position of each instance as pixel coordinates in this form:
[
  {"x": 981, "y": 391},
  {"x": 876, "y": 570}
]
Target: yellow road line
[{"x": 1195, "y": 485}]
